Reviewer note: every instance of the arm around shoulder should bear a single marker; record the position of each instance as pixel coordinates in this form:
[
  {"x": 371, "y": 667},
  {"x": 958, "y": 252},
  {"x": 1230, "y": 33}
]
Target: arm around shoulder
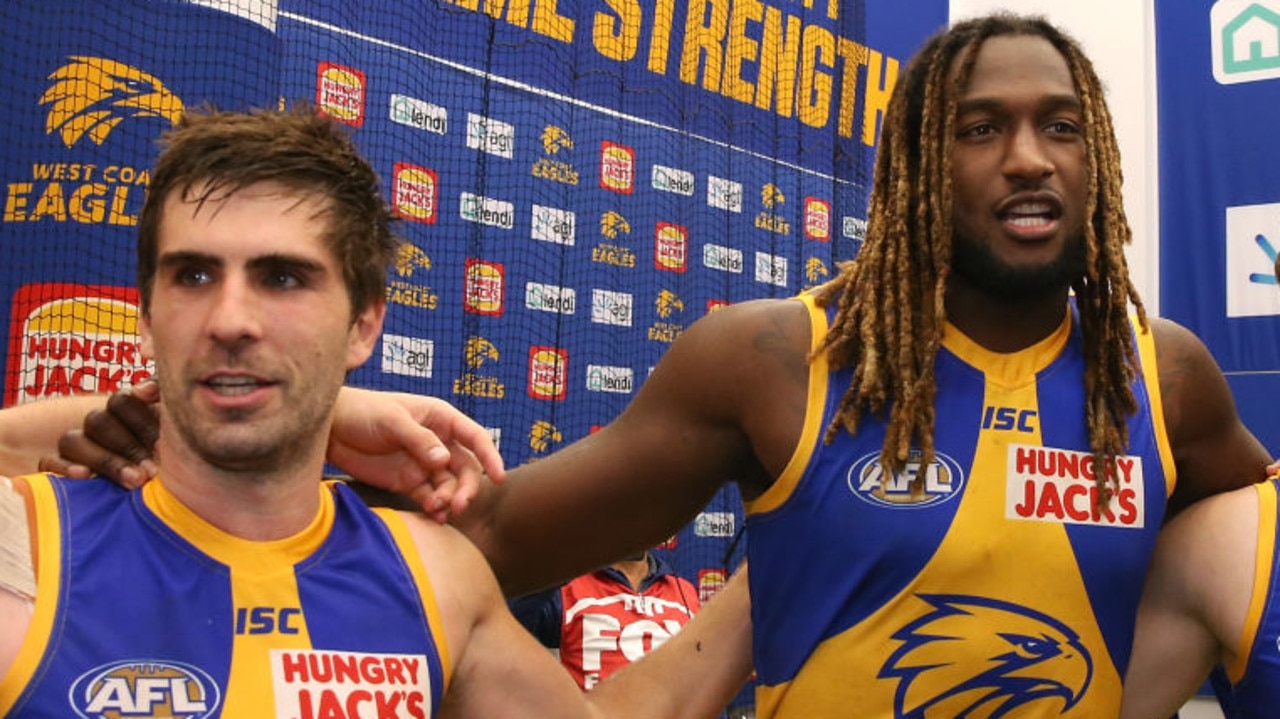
[
  {"x": 1194, "y": 603},
  {"x": 29, "y": 432},
  {"x": 692, "y": 676}
]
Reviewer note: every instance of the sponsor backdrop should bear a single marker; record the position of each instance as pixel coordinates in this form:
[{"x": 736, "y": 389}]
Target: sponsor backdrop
[
  {"x": 579, "y": 180},
  {"x": 1219, "y": 83}
]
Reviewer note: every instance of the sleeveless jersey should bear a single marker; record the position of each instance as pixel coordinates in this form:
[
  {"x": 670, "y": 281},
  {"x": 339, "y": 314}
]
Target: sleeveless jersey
[
  {"x": 145, "y": 610},
  {"x": 1251, "y": 686},
  {"x": 990, "y": 586},
  {"x": 607, "y": 624}
]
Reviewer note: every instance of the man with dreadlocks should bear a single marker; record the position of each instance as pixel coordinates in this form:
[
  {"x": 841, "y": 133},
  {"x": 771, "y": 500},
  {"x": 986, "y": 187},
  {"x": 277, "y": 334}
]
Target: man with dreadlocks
[{"x": 956, "y": 455}]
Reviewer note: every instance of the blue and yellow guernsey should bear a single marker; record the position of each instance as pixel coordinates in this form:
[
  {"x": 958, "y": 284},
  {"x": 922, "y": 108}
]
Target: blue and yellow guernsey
[
  {"x": 145, "y": 610},
  {"x": 1250, "y": 687},
  {"x": 993, "y": 586}
]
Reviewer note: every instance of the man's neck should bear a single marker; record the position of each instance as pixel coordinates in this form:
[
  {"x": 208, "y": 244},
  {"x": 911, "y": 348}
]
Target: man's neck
[
  {"x": 1002, "y": 325},
  {"x": 635, "y": 570},
  {"x": 259, "y": 506}
]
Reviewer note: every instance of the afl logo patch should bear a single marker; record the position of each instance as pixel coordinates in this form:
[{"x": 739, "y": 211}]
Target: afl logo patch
[
  {"x": 145, "y": 688},
  {"x": 914, "y": 487}
]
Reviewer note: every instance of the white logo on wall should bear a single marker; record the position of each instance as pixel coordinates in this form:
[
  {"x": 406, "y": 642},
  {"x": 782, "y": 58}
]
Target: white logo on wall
[
  {"x": 489, "y": 135},
  {"x": 611, "y": 308},
  {"x": 412, "y": 356},
  {"x": 605, "y": 378},
  {"x": 724, "y": 194},
  {"x": 771, "y": 269},
  {"x": 420, "y": 114},
  {"x": 1253, "y": 236},
  {"x": 1245, "y": 37},
  {"x": 719, "y": 257},
  {"x": 554, "y": 225},
  {"x": 550, "y": 298}
]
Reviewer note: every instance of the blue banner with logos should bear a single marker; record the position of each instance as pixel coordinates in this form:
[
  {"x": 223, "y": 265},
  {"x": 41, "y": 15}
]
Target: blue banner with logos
[
  {"x": 1219, "y": 90},
  {"x": 577, "y": 181}
]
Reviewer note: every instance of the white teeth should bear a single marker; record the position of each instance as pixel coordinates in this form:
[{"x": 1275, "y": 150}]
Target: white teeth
[
  {"x": 232, "y": 385},
  {"x": 1032, "y": 221},
  {"x": 1038, "y": 208}
]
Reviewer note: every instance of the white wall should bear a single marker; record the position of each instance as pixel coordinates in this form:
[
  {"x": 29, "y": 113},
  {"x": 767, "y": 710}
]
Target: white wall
[{"x": 1119, "y": 36}]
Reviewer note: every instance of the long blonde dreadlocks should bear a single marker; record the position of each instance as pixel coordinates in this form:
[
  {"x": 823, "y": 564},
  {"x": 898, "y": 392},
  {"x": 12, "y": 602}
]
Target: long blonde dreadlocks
[{"x": 891, "y": 297}]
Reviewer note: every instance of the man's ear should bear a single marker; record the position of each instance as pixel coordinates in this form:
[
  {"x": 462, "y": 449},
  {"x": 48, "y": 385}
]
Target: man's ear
[
  {"x": 364, "y": 334},
  {"x": 144, "y": 334}
]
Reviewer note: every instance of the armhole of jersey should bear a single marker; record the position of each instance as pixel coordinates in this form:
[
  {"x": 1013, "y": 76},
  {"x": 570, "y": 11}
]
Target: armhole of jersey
[
  {"x": 409, "y": 550},
  {"x": 1262, "y": 578},
  {"x": 1151, "y": 378},
  {"x": 815, "y": 404},
  {"x": 46, "y": 535}
]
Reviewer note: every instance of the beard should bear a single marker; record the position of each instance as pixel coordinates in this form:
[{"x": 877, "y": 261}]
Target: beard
[{"x": 978, "y": 265}]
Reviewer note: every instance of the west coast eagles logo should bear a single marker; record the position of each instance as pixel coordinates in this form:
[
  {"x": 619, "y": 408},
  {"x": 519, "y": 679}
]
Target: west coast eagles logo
[
  {"x": 975, "y": 656},
  {"x": 91, "y": 95}
]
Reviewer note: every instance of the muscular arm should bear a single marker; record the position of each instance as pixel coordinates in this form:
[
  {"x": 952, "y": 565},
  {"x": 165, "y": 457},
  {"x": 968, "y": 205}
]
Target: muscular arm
[
  {"x": 1194, "y": 603},
  {"x": 1212, "y": 449},
  {"x": 692, "y": 675},
  {"x": 29, "y": 432},
  {"x": 726, "y": 403}
]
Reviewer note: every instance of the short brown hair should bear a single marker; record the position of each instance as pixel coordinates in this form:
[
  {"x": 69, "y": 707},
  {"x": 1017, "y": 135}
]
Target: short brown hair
[{"x": 222, "y": 153}]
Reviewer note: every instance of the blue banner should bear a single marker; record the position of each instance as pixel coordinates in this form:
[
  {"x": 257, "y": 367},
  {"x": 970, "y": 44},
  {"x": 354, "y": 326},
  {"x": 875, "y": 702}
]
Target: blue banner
[{"x": 1219, "y": 90}]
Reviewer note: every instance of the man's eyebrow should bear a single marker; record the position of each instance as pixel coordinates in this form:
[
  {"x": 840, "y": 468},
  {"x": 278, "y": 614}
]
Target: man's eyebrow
[
  {"x": 186, "y": 257},
  {"x": 296, "y": 262}
]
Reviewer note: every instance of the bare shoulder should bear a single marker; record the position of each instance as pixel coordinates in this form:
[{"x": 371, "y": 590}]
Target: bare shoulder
[{"x": 1212, "y": 449}]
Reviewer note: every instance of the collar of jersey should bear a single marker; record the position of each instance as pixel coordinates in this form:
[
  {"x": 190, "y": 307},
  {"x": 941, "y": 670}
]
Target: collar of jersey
[
  {"x": 1008, "y": 368},
  {"x": 244, "y": 555}
]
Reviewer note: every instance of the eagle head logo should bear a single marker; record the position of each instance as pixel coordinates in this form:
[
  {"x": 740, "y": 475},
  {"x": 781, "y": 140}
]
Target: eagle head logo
[
  {"x": 613, "y": 224},
  {"x": 771, "y": 195},
  {"x": 815, "y": 270},
  {"x": 667, "y": 303},
  {"x": 91, "y": 95},
  {"x": 409, "y": 258},
  {"x": 479, "y": 350},
  {"x": 555, "y": 139},
  {"x": 542, "y": 435},
  {"x": 974, "y": 656}
]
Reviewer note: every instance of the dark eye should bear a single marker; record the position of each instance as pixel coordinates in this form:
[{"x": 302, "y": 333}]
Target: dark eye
[
  {"x": 192, "y": 276},
  {"x": 283, "y": 279},
  {"x": 978, "y": 129},
  {"x": 1063, "y": 127}
]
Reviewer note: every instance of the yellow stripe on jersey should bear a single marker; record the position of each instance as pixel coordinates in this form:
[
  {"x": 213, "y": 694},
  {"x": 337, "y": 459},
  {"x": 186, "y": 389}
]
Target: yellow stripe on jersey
[
  {"x": 1261, "y": 579},
  {"x": 409, "y": 550},
  {"x": 810, "y": 435},
  {"x": 48, "y": 560},
  {"x": 262, "y": 575},
  {"x": 1151, "y": 377}
]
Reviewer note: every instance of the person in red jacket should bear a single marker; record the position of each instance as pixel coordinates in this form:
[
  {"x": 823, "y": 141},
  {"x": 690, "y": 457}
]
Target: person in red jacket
[{"x": 602, "y": 621}]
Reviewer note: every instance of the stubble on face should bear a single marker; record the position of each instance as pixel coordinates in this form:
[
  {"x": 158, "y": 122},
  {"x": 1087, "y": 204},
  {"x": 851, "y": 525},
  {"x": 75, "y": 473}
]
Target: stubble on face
[{"x": 976, "y": 263}]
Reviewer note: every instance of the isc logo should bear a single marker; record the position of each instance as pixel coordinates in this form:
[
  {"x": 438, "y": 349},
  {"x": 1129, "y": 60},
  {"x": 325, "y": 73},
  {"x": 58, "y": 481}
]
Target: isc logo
[
  {"x": 145, "y": 688},
  {"x": 268, "y": 620},
  {"x": 1005, "y": 418}
]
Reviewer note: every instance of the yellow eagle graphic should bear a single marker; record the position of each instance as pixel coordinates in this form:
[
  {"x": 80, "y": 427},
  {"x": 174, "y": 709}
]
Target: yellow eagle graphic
[
  {"x": 409, "y": 258},
  {"x": 613, "y": 224},
  {"x": 555, "y": 139},
  {"x": 478, "y": 350},
  {"x": 771, "y": 195},
  {"x": 815, "y": 270},
  {"x": 667, "y": 303},
  {"x": 91, "y": 95},
  {"x": 542, "y": 435},
  {"x": 976, "y": 656}
]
